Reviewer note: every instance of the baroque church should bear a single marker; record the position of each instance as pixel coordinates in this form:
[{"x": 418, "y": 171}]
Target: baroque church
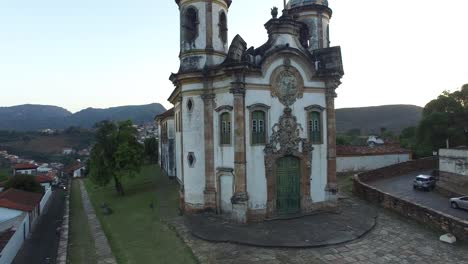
[{"x": 252, "y": 132}]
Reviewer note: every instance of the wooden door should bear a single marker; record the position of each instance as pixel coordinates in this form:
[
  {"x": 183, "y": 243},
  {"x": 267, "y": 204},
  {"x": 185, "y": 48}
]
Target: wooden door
[{"x": 288, "y": 185}]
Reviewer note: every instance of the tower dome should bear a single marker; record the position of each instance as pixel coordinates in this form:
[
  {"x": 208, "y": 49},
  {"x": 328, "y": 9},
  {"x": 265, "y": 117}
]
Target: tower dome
[{"x": 298, "y": 3}]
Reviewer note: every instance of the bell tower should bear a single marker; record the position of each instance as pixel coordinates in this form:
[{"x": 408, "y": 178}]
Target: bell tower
[{"x": 203, "y": 33}]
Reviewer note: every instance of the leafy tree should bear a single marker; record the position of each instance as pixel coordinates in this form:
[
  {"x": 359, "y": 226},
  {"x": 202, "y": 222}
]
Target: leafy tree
[
  {"x": 116, "y": 154},
  {"x": 24, "y": 182},
  {"x": 151, "y": 149},
  {"x": 444, "y": 119}
]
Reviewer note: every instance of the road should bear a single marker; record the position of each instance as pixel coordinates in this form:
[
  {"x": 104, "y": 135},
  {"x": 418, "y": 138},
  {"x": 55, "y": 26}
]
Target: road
[
  {"x": 42, "y": 245},
  {"x": 402, "y": 187}
]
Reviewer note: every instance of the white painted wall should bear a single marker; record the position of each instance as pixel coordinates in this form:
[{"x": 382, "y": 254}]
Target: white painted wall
[
  {"x": 45, "y": 200},
  {"x": 16, "y": 242},
  {"x": 7, "y": 214},
  {"x": 194, "y": 141},
  {"x": 226, "y": 183},
  {"x": 29, "y": 172},
  {"x": 365, "y": 163},
  {"x": 78, "y": 173},
  {"x": 454, "y": 161}
]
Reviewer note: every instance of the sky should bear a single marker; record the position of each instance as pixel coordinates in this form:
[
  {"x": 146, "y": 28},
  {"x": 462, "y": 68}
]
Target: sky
[{"x": 105, "y": 53}]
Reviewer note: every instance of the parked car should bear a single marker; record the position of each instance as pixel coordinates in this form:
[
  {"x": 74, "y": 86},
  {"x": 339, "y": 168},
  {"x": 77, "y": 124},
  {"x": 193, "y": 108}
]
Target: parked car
[
  {"x": 424, "y": 182},
  {"x": 459, "y": 202}
]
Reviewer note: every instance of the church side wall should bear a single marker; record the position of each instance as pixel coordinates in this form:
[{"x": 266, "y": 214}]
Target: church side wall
[
  {"x": 194, "y": 141},
  {"x": 178, "y": 145},
  {"x": 224, "y": 155}
]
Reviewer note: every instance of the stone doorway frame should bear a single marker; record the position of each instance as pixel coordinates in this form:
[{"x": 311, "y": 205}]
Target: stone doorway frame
[{"x": 285, "y": 141}]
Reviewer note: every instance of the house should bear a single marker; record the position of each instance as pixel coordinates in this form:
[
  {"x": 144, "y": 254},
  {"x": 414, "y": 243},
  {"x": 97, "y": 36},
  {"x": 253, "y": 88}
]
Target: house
[
  {"x": 76, "y": 170},
  {"x": 19, "y": 211},
  {"x": 25, "y": 168},
  {"x": 254, "y": 128},
  {"x": 68, "y": 151},
  {"x": 167, "y": 143},
  {"x": 365, "y": 158},
  {"x": 45, "y": 180}
]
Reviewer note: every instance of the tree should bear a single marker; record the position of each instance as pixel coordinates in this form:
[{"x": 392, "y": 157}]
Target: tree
[
  {"x": 151, "y": 149},
  {"x": 445, "y": 119},
  {"x": 24, "y": 182},
  {"x": 116, "y": 154}
]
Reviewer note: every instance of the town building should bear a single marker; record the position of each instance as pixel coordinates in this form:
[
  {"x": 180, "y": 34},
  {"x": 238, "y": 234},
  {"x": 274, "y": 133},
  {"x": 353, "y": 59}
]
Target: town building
[
  {"x": 76, "y": 169},
  {"x": 453, "y": 170},
  {"x": 255, "y": 127},
  {"x": 25, "y": 168},
  {"x": 167, "y": 144}
]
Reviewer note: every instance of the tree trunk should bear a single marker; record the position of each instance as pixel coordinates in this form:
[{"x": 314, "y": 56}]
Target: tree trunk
[{"x": 118, "y": 186}]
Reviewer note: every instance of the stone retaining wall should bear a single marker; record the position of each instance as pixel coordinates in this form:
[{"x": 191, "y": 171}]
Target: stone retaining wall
[{"x": 417, "y": 212}]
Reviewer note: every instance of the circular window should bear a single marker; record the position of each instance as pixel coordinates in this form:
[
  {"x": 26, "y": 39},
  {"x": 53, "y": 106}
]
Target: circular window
[
  {"x": 190, "y": 104},
  {"x": 191, "y": 159}
]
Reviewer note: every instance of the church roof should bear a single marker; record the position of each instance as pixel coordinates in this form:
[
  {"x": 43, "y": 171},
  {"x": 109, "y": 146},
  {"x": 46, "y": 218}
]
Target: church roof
[{"x": 297, "y": 3}]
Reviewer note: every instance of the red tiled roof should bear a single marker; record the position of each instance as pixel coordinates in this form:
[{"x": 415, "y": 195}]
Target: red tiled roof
[
  {"x": 44, "y": 178},
  {"x": 343, "y": 151},
  {"x": 19, "y": 200},
  {"x": 25, "y": 166},
  {"x": 166, "y": 114},
  {"x": 75, "y": 166}
]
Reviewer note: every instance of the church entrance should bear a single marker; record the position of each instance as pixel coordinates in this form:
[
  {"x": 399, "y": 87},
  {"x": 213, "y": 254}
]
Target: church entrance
[{"x": 288, "y": 185}]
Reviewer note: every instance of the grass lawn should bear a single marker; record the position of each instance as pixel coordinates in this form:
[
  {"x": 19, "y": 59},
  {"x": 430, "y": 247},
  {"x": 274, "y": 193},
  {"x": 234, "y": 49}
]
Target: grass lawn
[
  {"x": 345, "y": 182},
  {"x": 81, "y": 244},
  {"x": 135, "y": 231}
]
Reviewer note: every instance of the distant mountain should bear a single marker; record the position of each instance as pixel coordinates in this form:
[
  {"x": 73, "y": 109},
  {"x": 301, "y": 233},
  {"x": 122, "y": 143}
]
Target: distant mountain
[
  {"x": 370, "y": 120},
  {"x": 35, "y": 117},
  {"x": 31, "y": 117}
]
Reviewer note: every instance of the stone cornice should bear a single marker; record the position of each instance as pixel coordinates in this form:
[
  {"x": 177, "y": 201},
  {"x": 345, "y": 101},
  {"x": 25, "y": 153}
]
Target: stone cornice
[{"x": 224, "y": 108}]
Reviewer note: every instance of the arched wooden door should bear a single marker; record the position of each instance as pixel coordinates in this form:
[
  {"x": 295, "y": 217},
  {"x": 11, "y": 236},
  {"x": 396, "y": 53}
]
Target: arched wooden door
[{"x": 288, "y": 185}]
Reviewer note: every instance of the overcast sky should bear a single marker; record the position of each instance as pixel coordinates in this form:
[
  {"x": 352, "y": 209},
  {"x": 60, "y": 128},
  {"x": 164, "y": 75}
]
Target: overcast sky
[{"x": 103, "y": 53}]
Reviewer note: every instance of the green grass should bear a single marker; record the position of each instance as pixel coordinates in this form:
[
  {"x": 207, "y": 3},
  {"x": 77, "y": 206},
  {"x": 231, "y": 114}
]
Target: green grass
[
  {"x": 81, "y": 244},
  {"x": 345, "y": 182},
  {"x": 135, "y": 231}
]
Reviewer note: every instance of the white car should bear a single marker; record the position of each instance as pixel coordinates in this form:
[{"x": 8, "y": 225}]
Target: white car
[{"x": 460, "y": 202}]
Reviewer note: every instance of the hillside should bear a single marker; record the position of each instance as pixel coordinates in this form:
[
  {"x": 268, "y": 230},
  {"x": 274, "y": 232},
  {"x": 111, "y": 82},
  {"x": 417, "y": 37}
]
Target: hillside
[
  {"x": 36, "y": 117},
  {"x": 371, "y": 119}
]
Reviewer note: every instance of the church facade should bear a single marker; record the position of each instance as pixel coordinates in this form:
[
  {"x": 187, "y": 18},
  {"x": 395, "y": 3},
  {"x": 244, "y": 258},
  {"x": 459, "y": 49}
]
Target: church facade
[{"x": 255, "y": 127}]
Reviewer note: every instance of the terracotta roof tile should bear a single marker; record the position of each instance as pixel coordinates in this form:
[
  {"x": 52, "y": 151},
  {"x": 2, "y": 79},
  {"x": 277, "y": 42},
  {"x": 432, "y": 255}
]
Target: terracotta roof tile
[
  {"x": 25, "y": 166},
  {"x": 43, "y": 178},
  {"x": 343, "y": 151},
  {"x": 19, "y": 200},
  {"x": 166, "y": 114}
]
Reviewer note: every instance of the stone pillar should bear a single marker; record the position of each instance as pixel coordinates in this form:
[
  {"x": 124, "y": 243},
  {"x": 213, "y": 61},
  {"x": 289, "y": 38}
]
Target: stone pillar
[
  {"x": 210, "y": 180},
  {"x": 240, "y": 198},
  {"x": 332, "y": 187}
]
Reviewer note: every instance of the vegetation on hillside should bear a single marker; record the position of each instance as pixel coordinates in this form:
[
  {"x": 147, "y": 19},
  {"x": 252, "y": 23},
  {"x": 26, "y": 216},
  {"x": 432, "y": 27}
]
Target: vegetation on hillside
[
  {"x": 445, "y": 121},
  {"x": 24, "y": 182}
]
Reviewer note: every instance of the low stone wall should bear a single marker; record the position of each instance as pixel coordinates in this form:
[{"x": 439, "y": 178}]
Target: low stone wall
[{"x": 417, "y": 212}]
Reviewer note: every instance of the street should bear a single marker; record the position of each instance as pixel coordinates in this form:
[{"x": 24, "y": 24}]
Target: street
[
  {"x": 402, "y": 187},
  {"x": 42, "y": 245}
]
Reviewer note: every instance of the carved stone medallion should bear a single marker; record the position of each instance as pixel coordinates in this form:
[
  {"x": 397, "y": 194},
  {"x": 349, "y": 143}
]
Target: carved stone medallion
[{"x": 287, "y": 85}]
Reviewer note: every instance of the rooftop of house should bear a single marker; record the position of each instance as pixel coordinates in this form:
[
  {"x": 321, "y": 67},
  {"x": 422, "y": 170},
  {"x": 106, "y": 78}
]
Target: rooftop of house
[
  {"x": 44, "y": 178},
  {"x": 25, "y": 166},
  {"x": 343, "y": 151},
  {"x": 75, "y": 166},
  {"x": 165, "y": 115},
  {"x": 19, "y": 200}
]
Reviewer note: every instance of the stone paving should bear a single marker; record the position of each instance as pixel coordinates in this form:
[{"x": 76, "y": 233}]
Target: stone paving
[
  {"x": 393, "y": 240},
  {"x": 103, "y": 251}
]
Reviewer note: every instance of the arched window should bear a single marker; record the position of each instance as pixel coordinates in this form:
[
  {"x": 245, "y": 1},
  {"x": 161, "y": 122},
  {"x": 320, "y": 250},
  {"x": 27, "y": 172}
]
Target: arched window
[
  {"x": 258, "y": 127},
  {"x": 315, "y": 127},
  {"x": 190, "y": 24},
  {"x": 225, "y": 128},
  {"x": 223, "y": 29}
]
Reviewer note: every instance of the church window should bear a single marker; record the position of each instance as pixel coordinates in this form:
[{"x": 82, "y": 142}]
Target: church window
[
  {"x": 315, "y": 127},
  {"x": 191, "y": 159},
  {"x": 190, "y": 104},
  {"x": 225, "y": 129},
  {"x": 190, "y": 24},
  {"x": 258, "y": 127},
  {"x": 223, "y": 29}
]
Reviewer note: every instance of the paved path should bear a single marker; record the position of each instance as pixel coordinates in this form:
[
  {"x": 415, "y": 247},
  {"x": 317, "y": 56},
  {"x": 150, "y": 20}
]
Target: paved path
[
  {"x": 393, "y": 240},
  {"x": 103, "y": 251},
  {"x": 402, "y": 187},
  {"x": 42, "y": 246},
  {"x": 349, "y": 222}
]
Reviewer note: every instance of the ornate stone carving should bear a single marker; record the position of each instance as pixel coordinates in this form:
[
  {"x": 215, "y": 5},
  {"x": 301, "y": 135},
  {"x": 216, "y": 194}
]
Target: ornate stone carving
[
  {"x": 287, "y": 84},
  {"x": 286, "y": 141},
  {"x": 285, "y": 136}
]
